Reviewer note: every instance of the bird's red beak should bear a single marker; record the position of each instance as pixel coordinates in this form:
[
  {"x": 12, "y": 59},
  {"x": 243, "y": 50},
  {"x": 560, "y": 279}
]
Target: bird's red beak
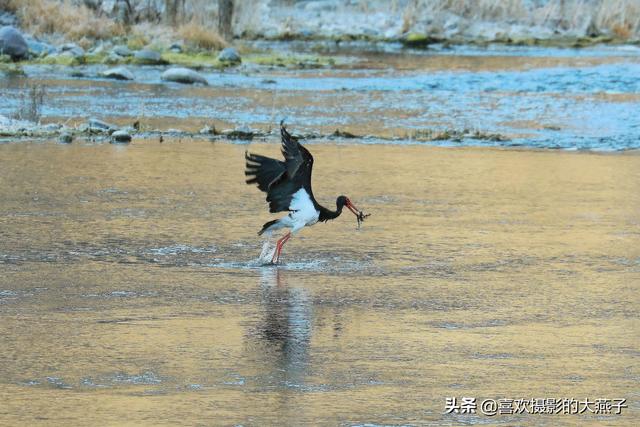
[{"x": 352, "y": 208}]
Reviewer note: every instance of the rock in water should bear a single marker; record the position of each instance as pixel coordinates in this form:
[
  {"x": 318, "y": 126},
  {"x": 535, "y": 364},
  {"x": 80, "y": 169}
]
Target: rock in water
[
  {"x": 120, "y": 137},
  {"x": 51, "y": 127},
  {"x": 97, "y": 126},
  {"x": 65, "y": 138},
  {"x": 229, "y": 55},
  {"x": 183, "y": 75},
  {"x": 12, "y": 43},
  {"x": 208, "y": 130},
  {"x": 241, "y": 132},
  {"x": 118, "y": 73},
  {"x": 148, "y": 57}
]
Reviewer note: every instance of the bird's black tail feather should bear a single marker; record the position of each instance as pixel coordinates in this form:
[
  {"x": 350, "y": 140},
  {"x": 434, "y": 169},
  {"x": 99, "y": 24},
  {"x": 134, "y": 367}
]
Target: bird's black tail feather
[{"x": 266, "y": 226}]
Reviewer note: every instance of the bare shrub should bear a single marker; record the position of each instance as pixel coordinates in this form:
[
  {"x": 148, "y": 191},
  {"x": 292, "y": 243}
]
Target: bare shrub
[
  {"x": 74, "y": 21},
  {"x": 622, "y": 17},
  {"x": 31, "y": 100}
]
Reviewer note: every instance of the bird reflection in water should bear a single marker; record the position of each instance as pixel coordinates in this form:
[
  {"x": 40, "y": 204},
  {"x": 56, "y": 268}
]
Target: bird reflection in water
[{"x": 285, "y": 331}]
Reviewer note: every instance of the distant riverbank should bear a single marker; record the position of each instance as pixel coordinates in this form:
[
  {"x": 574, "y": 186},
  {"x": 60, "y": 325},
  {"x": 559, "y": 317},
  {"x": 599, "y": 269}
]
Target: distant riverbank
[{"x": 385, "y": 93}]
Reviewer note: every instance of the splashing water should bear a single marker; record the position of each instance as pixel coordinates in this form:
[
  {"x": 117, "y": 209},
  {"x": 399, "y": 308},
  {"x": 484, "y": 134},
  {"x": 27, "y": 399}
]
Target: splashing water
[{"x": 266, "y": 256}]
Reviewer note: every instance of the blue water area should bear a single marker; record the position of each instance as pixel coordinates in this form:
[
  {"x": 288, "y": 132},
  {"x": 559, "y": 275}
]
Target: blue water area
[{"x": 569, "y": 107}]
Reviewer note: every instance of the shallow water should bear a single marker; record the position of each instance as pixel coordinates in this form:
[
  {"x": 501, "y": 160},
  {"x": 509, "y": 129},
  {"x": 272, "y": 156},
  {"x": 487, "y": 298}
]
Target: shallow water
[
  {"x": 548, "y": 98},
  {"x": 130, "y": 293}
]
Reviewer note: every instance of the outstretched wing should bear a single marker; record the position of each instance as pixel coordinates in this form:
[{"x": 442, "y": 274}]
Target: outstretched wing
[
  {"x": 280, "y": 180},
  {"x": 263, "y": 170},
  {"x": 297, "y": 158}
]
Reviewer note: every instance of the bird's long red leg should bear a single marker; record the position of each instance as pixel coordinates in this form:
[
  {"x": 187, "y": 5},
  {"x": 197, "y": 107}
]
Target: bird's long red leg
[{"x": 279, "y": 244}]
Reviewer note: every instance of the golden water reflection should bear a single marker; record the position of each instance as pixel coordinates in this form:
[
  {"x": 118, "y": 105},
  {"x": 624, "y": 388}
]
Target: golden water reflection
[{"x": 129, "y": 294}]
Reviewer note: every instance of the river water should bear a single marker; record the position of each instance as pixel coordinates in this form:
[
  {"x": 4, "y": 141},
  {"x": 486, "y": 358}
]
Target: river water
[
  {"x": 545, "y": 98},
  {"x": 130, "y": 292}
]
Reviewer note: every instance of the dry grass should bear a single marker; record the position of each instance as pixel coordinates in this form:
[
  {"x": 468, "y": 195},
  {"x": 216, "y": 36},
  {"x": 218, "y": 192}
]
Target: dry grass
[
  {"x": 74, "y": 22},
  {"x": 617, "y": 17},
  {"x": 622, "y": 17},
  {"x": 78, "y": 23},
  {"x": 201, "y": 37}
]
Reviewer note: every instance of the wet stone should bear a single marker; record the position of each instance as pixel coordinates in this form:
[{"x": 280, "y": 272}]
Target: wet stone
[
  {"x": 72, "y": 49},
  {"x": 51, "y": 127},
  {"x": 122, "y": 50},
  {"x": 118, "y": 73},
  {"x": 8, "y": 18},
  {"x": 112, "y": 58},
  {"x": 38, "y": 48},
  {"x": 183, "y": 75},
  {"x": 98, "y": 49},
  {"x": 65, "y": 138},
  {"x": 97, "y": 126},
  {"x": 241, "y": 132},
  {"x": 229, "y": 55},
  {"x": 120, "y": 137},
  {"x": 208, "y": 130}
]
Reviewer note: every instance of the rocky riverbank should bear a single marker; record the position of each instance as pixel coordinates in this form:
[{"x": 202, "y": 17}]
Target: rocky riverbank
[
  {"x": 406, "y": 87},
  {"x": 143, "y": 32},
  {"x": 100, "y": 131},
  {"x": 515, "y": 20}
]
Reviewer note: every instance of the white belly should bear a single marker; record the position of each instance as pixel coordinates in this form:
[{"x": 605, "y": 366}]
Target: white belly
[{"x": 301, "y": 210}]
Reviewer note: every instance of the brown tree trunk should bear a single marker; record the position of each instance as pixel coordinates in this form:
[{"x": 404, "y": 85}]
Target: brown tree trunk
[{"x": 225, "y": 16}]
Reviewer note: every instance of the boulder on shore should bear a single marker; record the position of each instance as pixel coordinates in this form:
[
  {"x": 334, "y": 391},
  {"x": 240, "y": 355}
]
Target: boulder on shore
[
  {"x": 183, "y": 75},
  {"x": 122, "y": 50},
  {"x": 38, "y": 48},
  {"x": 112, "y": 58},
  {"x": 148, "y": 57},
  {"x": 12, "y": 43},
  {"x": 229, "y": 55},
  {"x": 73, "y": 50}
]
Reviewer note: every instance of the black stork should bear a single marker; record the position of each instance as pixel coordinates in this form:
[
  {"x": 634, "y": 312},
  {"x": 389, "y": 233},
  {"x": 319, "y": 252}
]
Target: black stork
[{"x": 288, "y": 187}]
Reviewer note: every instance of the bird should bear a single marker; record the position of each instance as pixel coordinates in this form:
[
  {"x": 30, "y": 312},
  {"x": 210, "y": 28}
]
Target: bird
[{"x": 288, "y": 187}]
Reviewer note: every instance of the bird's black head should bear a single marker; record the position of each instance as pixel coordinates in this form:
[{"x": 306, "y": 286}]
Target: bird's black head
[{"x": 343, "y": 201}]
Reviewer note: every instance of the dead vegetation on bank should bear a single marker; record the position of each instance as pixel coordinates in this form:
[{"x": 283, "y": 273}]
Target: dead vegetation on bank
[
  {"x": 198, "y": 36},
  {"x": 196, "y": 21},
  {"x": 74, "y": 21},
  {"x": 618, "y": 18}
]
